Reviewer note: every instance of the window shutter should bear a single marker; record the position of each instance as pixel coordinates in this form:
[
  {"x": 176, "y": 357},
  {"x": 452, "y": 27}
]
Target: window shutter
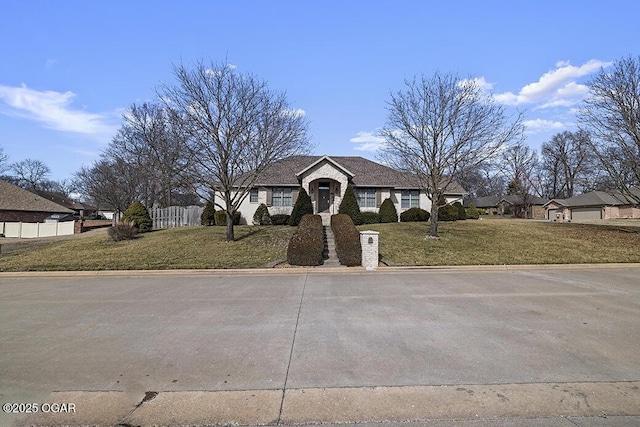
[
  {"x": 294, "y": 196},
  {"x": 378, "y": 198},
  {"x": 269, "y": 197}
]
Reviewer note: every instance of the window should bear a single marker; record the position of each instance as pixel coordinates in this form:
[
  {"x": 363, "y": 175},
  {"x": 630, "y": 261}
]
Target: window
[
  {"x": 366, "y": 197},
  {"x": 281, "y": 196},
  {"x": 410, "y": 199},
  {"x": 253, "y": 196}
]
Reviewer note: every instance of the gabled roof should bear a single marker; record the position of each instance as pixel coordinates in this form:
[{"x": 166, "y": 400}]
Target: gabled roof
[
  {"x": 14, "y": 198},
  {"x": 512, "y": 199},
  {"x": 363, "y": 173},
  {"x": 61, "y": 200},
  {"x": 593, "y": 198},
  {"x": 328, "y": 159}
]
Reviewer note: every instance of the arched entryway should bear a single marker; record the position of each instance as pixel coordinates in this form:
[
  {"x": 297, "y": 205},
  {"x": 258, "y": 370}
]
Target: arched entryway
[{"x": 326, "y": 195}]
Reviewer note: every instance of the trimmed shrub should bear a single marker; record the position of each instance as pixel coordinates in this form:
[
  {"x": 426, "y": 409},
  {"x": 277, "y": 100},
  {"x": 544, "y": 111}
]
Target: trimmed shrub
[
  {"x": 462, "y": 213},
  {"x": 369, "y": 217},
  {"x": 388, "y": 212},
  {"x": 302, "y": 207},
  {"x": 349, "y": 206},
  {"x": 208, "y": 214},
  {"x": 448, "y": 213},
  {"x": 473, "y": 212},
  {"x": 307, "y": 244},
  {"x": 221, "y": 218},
  {"x": 261, "y": 216},
  {"x": 414, "y": 215},
  {"x": 280, "y": 219},
  {"x": 122, "y": 231},
  {"x": 347, "y": 239},
  {"x": 138, "y": 216}
]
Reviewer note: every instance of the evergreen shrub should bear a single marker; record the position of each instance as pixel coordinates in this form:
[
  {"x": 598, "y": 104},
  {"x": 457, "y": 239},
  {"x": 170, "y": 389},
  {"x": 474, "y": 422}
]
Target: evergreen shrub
[
  {"x": 414, "y": 215},
  {"x": 221, "y": 218},
  {"x": 207, "y": 217},
  {"x": 448, "y": 213},
  {"x": 388, "y": 212},
  {"x": 306, "y": 246},
  {"x": 261, "y": 216},
  {"x": 473, "y": 212},
  {"x": 303, "y": 206},
  {"x": 462, "y": 213},
  {"x": 370, "y": 217},
  {"x": 349, "y": 206},
  {"x": 280, "y": 219},
  {"x": 347, "y": 240},
  {"x": 138, "y": 216}
]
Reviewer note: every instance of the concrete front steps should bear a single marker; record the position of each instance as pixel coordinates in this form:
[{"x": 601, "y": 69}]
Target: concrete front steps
[{"x": 330, "y": 256}]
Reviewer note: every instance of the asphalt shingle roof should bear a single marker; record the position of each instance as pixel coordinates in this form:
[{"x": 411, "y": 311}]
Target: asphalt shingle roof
[
  {"x": 594, "y": 198},
  {"x": 366, "y": 173},
  {"x": 14, "y": 198}
]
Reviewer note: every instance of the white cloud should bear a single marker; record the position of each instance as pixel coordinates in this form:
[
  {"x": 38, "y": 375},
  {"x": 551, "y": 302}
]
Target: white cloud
[
  {"x": 367, "y": 141},
  {"x": 53, "y": 110},
  {"x": 556, "y": 87},
  {"x": 480, "y": 82},
  {"x": 297, "y": 112},
  {"x": 541, "y": 125}
]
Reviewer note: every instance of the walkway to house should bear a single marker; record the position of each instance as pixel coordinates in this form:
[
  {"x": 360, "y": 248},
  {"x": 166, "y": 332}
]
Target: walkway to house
[{"x": 330, "y": 256}]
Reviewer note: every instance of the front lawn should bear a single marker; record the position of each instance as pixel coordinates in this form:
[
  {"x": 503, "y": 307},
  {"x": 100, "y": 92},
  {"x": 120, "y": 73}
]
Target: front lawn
[
  {"x": 176, "y": 248},
  {"x": 506, "y": 241}
]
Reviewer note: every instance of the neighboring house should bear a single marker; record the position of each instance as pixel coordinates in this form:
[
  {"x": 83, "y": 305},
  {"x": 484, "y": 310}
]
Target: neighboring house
[
  {"x": 512, "y": 205},
  {"x": 82, "y": 210},
  {"x": 19, "y": 205},
  {"x": 326, "y": 178},
  {"x": 593, "y": 205}
]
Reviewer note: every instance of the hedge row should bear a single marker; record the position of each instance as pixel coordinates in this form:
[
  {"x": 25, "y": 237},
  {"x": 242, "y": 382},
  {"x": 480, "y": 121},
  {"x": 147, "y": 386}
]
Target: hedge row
[
  {"x": 347, "y": 239},
  {"x": 307, "y": 244}
]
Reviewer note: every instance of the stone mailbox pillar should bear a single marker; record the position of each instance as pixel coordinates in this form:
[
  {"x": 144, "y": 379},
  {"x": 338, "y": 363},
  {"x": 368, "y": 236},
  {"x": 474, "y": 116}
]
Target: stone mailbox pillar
[{"x": 369, "y": 243}]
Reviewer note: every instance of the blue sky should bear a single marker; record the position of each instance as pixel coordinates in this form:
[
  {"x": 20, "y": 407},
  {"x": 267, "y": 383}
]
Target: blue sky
[{"x": 70, "y": 69}]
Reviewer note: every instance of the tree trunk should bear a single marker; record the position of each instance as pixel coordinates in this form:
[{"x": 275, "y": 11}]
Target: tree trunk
[
  {"x": 433, "y": 229},
  {"x": 230, "y": 236}
]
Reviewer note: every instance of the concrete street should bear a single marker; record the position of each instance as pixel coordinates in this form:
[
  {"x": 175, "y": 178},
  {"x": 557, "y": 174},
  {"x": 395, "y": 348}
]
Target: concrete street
[{"x": 535, "y": 346}]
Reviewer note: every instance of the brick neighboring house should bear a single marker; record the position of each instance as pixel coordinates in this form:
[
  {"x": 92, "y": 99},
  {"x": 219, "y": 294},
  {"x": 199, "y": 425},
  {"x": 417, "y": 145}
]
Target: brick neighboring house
[
  {"x": 593, "y": 205},
  {"x": 20, "y": 205},
  {"x": 514, "y": 204},
  {"x": 325, "y": 178}
]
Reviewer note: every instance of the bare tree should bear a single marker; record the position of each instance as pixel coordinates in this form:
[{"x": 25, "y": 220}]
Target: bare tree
[
  {"x": 30, "y": 173},
  {"x": 4, "y": 161},
  {"x": 520, "y": 164},
  {"x": 150, "y": 140},
  {"x": 568, "y": 164},
  {"x": 235, "y": 126},
  {"x": 611, "y": 115},
  {"x": 440, "y": 127}
]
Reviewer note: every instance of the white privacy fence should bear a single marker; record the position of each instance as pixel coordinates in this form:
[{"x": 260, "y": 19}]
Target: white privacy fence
[
  {"x": 28, "y": 230},
  {"x": 175, "y": 216}
]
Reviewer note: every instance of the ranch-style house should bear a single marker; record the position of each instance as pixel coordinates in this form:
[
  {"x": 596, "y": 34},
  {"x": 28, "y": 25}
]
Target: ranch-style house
[{"x": 325, "y": 178}]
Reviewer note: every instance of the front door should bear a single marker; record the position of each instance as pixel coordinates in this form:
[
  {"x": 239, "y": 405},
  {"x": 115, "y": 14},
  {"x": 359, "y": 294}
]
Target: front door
[{"x": 324, "y": 195}]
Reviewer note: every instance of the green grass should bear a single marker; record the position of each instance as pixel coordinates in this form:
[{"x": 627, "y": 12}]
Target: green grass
[
  {"x": 498, "y": 242},
  {"x": 177, "y": 248},
  {"x": 488, "y": 241}
]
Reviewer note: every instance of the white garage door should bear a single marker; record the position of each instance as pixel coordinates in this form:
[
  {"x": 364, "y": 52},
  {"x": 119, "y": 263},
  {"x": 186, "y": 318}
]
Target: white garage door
[
  {"x": 552, "y": 214},
  {"x": 586, "y": 213}
]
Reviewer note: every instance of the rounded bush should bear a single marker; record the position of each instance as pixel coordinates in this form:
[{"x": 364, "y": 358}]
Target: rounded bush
[
  {"x": 414, "y": 215},
  {"x": 370, "y": 217},
  {"x": 280, "y": 219},
  {"x": 448, "y": 213},
  {"x": 462, "y": 213},
  {"x": 347, "y": 240},
  {"x": 261, "y": 216},
  {"x": 138, "y": 216},
  {"x": 388, "y": 212},
  {"x": 122, "y": 231},
  {"x": 306, "y": 246}
]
